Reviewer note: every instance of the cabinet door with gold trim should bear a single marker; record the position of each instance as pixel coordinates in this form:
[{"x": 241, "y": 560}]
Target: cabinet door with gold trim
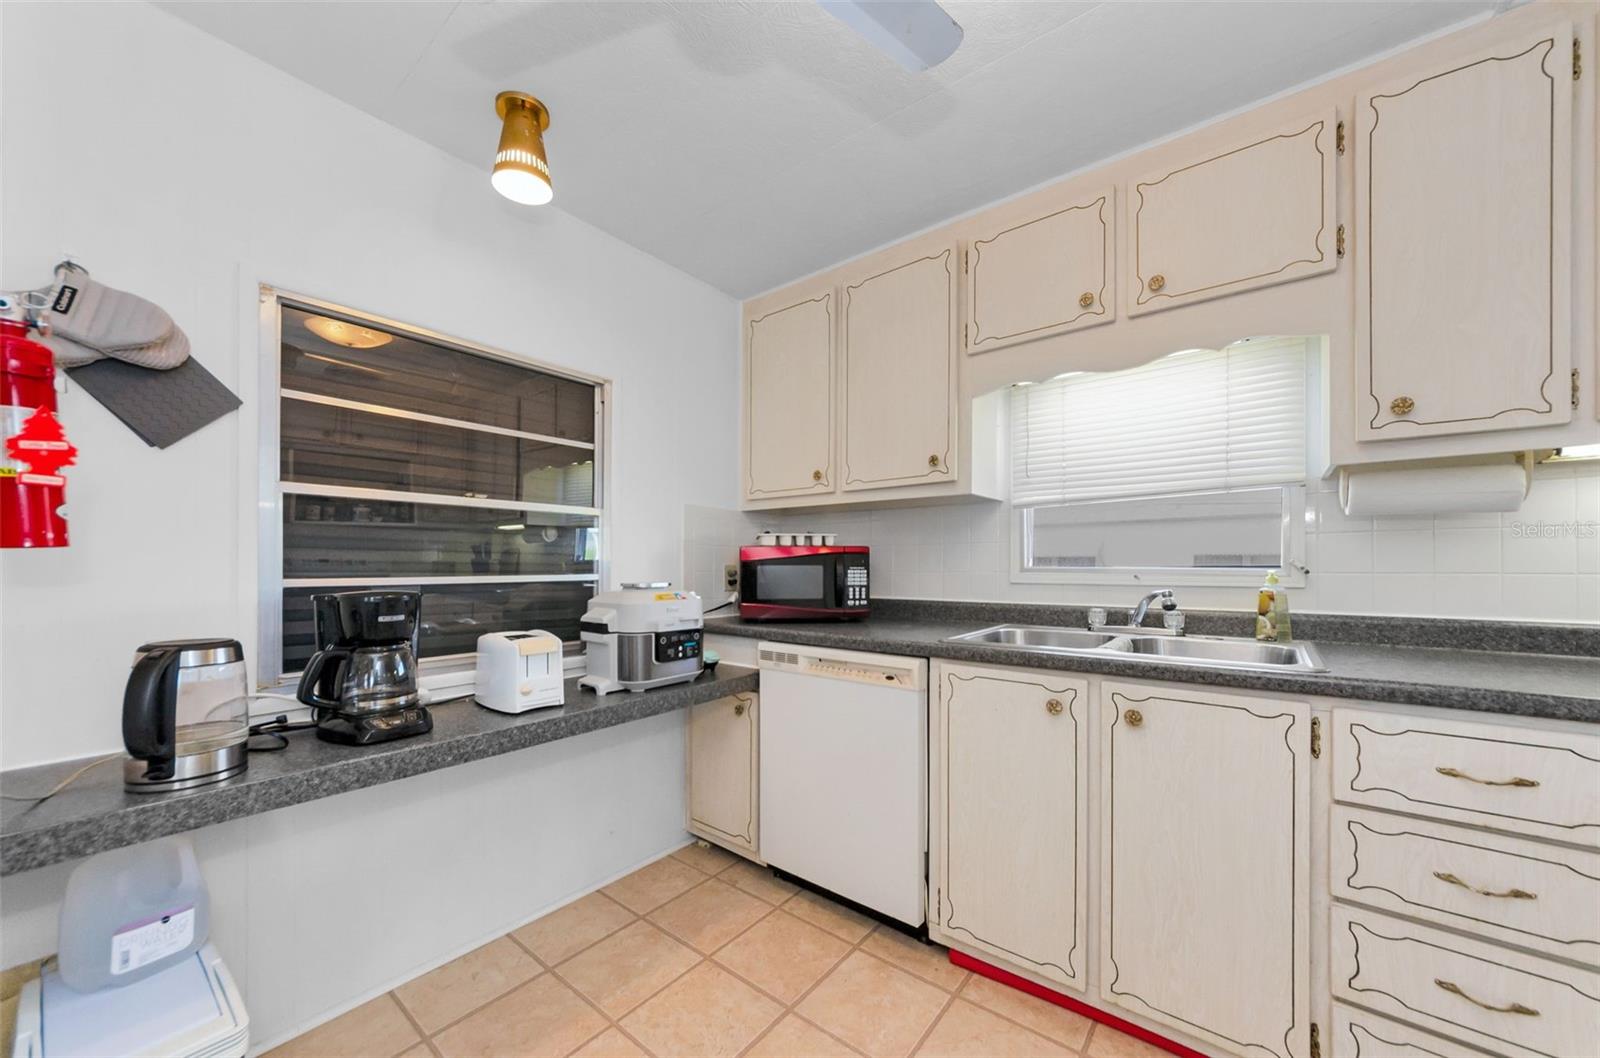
[
  {"x": 899, "y": 366},
  {"x": 1205, "y": 862},
  {"x": 789, "y": 393},
  {"x": 722, "y": 762},
  {"x": 1463, "y": 226},
  {"x": 1244, "y": 215},
  {"x": 1009, "y": 818},
  {"x": 1047, "y": 272}
]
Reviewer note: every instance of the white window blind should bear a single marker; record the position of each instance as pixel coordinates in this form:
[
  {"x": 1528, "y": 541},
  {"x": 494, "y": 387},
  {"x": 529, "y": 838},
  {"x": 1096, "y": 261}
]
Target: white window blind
[{"x": 1205, "y": 420}]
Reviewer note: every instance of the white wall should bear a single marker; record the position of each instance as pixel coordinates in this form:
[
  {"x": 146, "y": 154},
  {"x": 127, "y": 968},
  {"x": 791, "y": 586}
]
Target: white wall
[
  {"x": 181, "y": 169},
  {"x": 1541, "y": 563}
]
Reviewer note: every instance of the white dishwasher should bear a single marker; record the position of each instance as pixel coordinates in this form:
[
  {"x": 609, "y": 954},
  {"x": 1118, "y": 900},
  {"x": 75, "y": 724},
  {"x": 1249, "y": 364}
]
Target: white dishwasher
[{"x": 844, "y": 773}]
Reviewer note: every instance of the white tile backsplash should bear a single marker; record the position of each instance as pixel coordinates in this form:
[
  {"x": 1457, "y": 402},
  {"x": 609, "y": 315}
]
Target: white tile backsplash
[
  {"x": 1466, "y": 550},
  {"x": 1539, "y": 563}
]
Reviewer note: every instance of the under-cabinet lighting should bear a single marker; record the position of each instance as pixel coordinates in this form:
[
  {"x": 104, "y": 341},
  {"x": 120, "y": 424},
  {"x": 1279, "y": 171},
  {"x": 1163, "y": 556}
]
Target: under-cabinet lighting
[
  {"x": 1570, "y": 452},
  {"x": 516, "y": 528}
]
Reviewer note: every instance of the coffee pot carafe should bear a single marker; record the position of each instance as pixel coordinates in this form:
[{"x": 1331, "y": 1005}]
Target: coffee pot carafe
[{"x": 185, "y": 714}]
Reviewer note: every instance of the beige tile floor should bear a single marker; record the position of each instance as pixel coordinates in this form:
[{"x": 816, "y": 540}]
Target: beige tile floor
[{"x": 701, "y": 954}]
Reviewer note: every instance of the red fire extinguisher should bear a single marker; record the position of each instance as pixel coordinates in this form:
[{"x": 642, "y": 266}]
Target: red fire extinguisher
[{"x": 33, "y": 447}]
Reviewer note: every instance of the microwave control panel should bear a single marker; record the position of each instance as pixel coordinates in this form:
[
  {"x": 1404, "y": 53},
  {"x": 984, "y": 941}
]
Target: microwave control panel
[
  {"x": 678, "y": 646},
  {"x": 855, "y": 586}
]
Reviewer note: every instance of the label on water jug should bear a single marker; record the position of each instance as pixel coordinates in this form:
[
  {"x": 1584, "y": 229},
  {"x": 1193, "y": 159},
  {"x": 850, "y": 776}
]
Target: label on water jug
[{"x": 154, "y": 938}]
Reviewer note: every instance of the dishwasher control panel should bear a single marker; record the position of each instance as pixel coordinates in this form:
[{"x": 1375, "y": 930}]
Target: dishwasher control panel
[{"x": 877, "y": 670}]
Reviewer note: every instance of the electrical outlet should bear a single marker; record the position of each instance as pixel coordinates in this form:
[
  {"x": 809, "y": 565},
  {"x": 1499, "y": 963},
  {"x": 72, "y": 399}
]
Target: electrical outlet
[{"x": 730, "y": 576}]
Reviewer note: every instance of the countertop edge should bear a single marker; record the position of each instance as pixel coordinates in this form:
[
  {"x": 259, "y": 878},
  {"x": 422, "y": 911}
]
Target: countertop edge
[
  {"x": 1321, "y": 684},
  {"x": 29, "y": 849}
]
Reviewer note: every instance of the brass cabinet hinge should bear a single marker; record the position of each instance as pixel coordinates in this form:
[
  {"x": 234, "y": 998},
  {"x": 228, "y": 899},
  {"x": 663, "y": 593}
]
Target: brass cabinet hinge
[
  {"x": 1574, "y": 387},
  {"x": 1339, "y": 241},
  {"x": 1338, "y": 137},
  {"x": 1577, "y": 58},
  {"x": 966, "y": 336},
  {"x": 1316, "y": 1041},
  {"x": 1316, "y": 737},
  {"x": 966, "y": 262}
]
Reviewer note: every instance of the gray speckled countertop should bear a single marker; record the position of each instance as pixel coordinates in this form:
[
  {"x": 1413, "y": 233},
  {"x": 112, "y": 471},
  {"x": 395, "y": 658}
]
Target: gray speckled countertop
[
  {"x": 1560, "y": 687},
  {"x": 95, "y": 813}
]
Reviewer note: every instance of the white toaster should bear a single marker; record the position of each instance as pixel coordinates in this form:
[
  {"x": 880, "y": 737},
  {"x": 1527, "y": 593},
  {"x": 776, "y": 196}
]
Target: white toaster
[{"x": 519, "y": 671}]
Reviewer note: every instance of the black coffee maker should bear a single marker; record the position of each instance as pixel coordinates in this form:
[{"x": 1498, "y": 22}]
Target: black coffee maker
[{"x": 361, "y": 684}]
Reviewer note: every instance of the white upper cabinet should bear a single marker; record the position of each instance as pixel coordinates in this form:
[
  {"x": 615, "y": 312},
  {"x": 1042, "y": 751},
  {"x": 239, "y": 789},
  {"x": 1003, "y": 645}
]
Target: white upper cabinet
[
  {"x": 789, "y": 388},
  {"x": 1010, "y": 834},
  {"x": 1463, "y": 224},
  {"x": 899, "y": 365},
  {"x": 1245, "y": 215},
  {"x": 1040, "y": 273},
  {"x": 1205, "y": 864}
]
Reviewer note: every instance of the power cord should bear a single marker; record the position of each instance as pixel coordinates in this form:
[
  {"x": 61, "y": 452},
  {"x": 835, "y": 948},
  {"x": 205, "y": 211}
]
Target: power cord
[{"x": 63, "y": 784}]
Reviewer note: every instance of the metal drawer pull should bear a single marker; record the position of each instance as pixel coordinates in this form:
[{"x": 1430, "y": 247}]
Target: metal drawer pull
[
  {"x": 1456, "y": 774},
  {"x": 1513, "y": 894},
  {"x": 1053, "y": 707},
  {"x": 1509, "y": 1008},
  {"x": 738, "y": 709},
  {"x": 1133, "y": 717}
]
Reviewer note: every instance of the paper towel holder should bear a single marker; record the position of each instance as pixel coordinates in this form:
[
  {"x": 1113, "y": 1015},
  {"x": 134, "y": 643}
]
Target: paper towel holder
[{"x": 1417, "y": 471}]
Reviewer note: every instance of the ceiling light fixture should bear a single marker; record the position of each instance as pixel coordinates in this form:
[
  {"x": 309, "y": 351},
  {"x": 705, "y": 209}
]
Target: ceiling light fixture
[
  {"x": 521, "y": 172},
  {"x": 346, "y": 334}
]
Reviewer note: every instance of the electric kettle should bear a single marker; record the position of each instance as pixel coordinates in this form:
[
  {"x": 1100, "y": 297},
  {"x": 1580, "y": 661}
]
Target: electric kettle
[{"x": 185, "y": 715}]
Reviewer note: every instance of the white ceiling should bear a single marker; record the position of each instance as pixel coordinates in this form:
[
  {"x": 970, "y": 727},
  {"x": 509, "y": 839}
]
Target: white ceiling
[{"x": 751, "y": 143}]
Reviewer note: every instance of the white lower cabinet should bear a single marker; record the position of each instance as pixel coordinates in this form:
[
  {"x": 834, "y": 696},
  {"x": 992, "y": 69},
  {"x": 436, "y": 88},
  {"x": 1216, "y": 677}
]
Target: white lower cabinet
[
  {"x": 1481, "y": 834},
  {"x": 1010, "y": 856},
  {"x": 1503, "y": 1001},
  {"x": 1363, "y": 1034},
  {"x": 1205, "y": 881},
  {"x": 1153, "y": 845},
  {"x": 722, "y": 772}
]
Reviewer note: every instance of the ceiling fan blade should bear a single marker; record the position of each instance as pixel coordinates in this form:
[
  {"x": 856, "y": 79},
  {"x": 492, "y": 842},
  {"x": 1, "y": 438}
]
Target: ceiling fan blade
[{"x": 917, "y": 34}]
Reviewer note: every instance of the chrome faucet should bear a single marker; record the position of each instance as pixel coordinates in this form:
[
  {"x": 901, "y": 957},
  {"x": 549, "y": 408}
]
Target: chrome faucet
[
  {"x": 1173, "y": 622},
  {"x": 1164, "y": 594}
]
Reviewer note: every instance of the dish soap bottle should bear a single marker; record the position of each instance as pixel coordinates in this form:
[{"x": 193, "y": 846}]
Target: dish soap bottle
[{"x": 1272, "y": 611}]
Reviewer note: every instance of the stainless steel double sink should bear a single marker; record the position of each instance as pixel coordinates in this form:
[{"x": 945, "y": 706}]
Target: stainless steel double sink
[{"x": 1215, "y": 652}]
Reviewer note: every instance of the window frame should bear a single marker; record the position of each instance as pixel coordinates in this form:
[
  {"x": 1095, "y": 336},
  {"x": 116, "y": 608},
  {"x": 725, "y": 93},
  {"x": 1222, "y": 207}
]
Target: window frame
[
  {"x": 1292, "y": 536},
  {"x": 271, "y": 490}
]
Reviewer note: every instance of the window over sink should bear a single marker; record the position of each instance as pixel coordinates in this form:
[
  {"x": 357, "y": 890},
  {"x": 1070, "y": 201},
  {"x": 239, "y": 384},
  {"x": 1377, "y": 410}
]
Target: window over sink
[
  {"x": 1190, "y": 469},
  {"x": 410, "y": 461}
]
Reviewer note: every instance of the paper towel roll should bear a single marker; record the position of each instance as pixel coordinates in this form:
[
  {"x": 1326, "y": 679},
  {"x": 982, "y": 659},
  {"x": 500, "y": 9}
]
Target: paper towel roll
[{"x": 1449, "y": 489}]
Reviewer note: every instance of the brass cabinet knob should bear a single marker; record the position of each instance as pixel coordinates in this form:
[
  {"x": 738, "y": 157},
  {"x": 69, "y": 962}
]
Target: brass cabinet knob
[
  {"x": 1085, "y": 299},
  {"x": 1157, "y": 283},
  {"x": 816, "y": 475},
  {"x": 1402, "y": 405},
  {"x": 738, "y": 708},
  {"x": 1053, "y": 707},
  {"x": 933, "y": 461},
  {"x": 1133, "y": 717}
]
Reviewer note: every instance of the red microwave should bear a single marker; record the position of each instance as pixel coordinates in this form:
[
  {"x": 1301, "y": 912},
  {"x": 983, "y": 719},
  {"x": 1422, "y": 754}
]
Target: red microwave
[{"x": 803, "y": 583}]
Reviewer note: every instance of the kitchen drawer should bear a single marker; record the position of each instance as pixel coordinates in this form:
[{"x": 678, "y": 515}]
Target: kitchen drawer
[
  {"x": 1513, "y": 890},
  {"x": 1544, "y": 784},
  {"x": 1363, "y": 1034},
  {"x": 1503, "y": 1001}
]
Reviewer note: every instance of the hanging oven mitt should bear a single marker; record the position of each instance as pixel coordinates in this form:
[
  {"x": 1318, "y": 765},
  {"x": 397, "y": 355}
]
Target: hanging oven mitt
[{"x": 90, "y": 321}]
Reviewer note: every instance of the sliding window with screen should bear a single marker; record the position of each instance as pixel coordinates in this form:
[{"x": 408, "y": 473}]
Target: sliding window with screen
[
  {"x": 409, "y": 461},
  {"x": 1190, "y": 469}
]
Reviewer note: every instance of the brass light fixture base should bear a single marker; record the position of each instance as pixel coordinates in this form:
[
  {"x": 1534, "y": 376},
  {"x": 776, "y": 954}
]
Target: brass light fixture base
[{"x": 506, "y": 100}]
